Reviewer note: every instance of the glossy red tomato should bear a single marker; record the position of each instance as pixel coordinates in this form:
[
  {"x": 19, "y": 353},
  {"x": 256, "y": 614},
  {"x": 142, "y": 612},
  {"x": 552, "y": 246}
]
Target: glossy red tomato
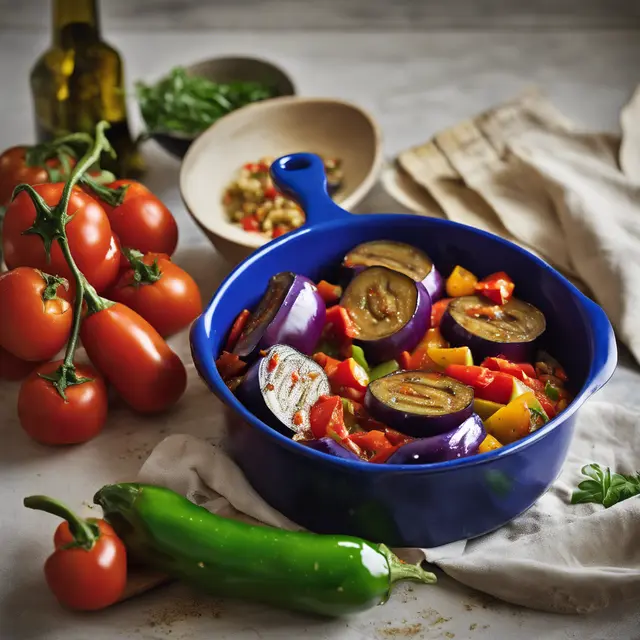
[
  {"x": 88, "y": 231},
  {"x": 47, "y": 418},
  {"x": 169, "y": 304},
  {"x": 87, "y": 579},
  {"x": 14, "y": 170},
  {"x": 134, "y": 358},
  {"x": 12, "y": 368},
  {"x": 142, "y": 221},
  {"x": 35, "y": 322}
]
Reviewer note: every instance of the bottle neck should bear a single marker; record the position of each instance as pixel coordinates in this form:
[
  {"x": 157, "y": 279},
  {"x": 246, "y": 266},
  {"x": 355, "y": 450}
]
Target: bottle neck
[{"x": 71, "y": 17}]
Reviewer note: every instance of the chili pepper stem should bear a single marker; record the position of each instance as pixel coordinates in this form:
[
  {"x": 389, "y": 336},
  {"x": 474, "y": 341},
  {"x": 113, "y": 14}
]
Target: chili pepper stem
[
  {"x": 84, "y": 533},
  {"x": 399, "y": 570}
]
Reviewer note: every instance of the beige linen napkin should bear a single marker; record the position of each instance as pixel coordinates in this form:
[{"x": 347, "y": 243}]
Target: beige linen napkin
[
  {"x": 556, "y": 557},
  {"x": 523, "y": 171}
]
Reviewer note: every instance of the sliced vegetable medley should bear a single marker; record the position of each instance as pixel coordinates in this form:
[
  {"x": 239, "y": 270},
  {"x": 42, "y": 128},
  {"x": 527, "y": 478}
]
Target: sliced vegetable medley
[{"x": 382, "y": 368}]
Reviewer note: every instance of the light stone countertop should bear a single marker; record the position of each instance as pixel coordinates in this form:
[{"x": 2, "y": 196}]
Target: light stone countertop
[{"x": 414, "y": 84}]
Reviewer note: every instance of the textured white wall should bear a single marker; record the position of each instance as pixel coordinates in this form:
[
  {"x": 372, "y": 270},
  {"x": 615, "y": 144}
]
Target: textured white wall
[{"x": 341, "y": 14}]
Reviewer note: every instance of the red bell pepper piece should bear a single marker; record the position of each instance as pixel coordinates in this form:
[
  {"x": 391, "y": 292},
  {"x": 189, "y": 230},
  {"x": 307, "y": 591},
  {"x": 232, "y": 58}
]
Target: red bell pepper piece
[
  {"x": 327, "y": 418},
  {"x": 396, "y": 438},
  {"x": 350, "y": 393},
  {"x": 250, "y": 223},
  {"x": 487, "y": 385},
  {"x": 270, "y": 192},
  {"x": 330, "y": 293},
  {"x": 520, "y": 370},
  {"x": 437, "y": 311},
  {"x": 339, "y": 323},
  {"x": 498, "y": 287},
  {"x": 349, "y": 373},
  {"x": 372, "y": 441},
  {"x": 236, "y": 329},
  {"x": 384, "y": 455},
  {"x": 229, "y": 365},
  {"x": 328, "y": 363}
]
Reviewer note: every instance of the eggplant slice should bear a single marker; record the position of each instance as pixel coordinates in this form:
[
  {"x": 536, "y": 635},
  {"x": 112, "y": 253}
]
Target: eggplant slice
[
  {"x": 390, "y": 310},
  {"x": 282, "y": 386},
  {"x": 419, "y": 403}
]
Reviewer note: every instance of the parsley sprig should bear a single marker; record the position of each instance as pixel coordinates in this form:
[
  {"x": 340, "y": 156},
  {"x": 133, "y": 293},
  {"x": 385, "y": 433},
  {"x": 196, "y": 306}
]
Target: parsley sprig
[{"x": 604, "y": 487}]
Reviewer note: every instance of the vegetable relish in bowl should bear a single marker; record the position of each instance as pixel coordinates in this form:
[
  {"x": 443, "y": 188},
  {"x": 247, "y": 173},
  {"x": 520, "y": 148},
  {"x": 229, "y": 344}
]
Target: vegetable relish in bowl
[
  {"x": 394, "y": 364},
  {"x": 252, "y": 201}
]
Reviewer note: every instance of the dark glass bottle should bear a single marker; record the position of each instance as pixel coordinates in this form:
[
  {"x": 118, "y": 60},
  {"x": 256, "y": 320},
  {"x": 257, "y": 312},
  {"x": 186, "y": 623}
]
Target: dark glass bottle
[{"x": 79, "y": 81}]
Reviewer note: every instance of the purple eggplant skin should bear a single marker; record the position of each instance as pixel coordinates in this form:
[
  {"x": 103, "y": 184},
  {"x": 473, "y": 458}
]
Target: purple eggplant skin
[
  {"x": 461, "y": 442},
  {"x": 300, "y": 319},
  {"x": 411, "y": 424},
  {"x": 330, "y": 447},
  {"x": 434, "y": 284},
  {"x": 406, "y": 338},
  {"x": 298, "y": 322},
  {"x": 457, "y": 336}
]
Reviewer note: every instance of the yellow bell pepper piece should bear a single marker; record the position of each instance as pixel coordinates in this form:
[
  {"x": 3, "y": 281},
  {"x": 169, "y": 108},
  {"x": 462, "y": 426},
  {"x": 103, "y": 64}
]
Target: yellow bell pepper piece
[
  {"x": 461, "y": 283},
  {"x": 445, "y": 357},
  {"x": 486, "y": 408},
  {"x": 489, "y": 444},
  {"x": 515, "y": 420}
]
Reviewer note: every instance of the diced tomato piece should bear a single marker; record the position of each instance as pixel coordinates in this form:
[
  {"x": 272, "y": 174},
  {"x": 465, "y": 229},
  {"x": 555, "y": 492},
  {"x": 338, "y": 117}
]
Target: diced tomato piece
[
  {"x": 330, "y": 293},
  {"x": 236, "y": 329},
  {"x": 327, "y": 418},
  {"x": 273, "y": 362},
  {"x": 437, "y": 311},
  {"x": 498, "y": 287},
  {"x": 229, "y": 365},
  {"x": 298, "y": 418},
  {"x": 270, "y": 192},
  {"x": 372, "y": 441},
  {"x": 250, "y": 223},
  {"x": 349, "y": 373},
  {"x": 279, "y": 230},
  {"x": 339, "y": 323}
]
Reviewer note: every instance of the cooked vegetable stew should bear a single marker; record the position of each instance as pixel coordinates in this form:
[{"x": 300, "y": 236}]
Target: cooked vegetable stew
[
  {"x": 252, "y": 201},
  {"x": 461, "y": 375}
]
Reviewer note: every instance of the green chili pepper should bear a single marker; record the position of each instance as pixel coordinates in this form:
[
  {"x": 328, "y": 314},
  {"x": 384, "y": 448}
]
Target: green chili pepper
[
  {"x": 383, "y": 369},
  {"x": 328, "y": 575},
  {"x": 358, "y": 355}
]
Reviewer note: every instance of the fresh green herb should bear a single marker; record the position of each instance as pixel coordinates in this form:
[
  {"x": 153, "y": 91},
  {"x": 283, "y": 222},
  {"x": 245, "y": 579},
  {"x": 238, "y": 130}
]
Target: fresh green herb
[
  {"x": 358, "y": 355},
  {"x": 604, "y": 487},
  {"x": 189, "y": 104},
  {"x": 538, "y": 417},
  {"x": 551, "y": 392}
]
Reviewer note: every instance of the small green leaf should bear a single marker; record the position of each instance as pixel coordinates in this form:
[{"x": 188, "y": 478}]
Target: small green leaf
[
  {"x": 605, "y": 488},
  {"x": 551, "y": 392}
]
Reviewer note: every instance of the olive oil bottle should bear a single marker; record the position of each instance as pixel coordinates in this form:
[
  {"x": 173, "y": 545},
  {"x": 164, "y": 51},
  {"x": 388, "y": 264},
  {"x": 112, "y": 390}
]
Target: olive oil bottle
[{"x": 79, "y": 81}]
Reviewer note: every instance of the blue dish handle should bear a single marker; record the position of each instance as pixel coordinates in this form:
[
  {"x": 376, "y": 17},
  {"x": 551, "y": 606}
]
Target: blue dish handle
[
  {"x": 605, "y": 350},
  {"x": 301, "y": 177}
]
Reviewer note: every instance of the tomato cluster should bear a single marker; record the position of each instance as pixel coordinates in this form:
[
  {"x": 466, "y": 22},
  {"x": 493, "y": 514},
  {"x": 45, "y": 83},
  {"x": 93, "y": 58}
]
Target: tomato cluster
[{"x": 120, "y": 237}]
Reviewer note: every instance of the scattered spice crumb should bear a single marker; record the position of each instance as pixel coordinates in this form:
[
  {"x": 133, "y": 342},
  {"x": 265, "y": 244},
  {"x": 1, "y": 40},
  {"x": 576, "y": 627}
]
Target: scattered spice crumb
[
  {"x": 440, "y": 620},
  {"x": 448, "y": 634},
  {"x": 468, "y": 607},
  {"x": 402, "y": 632},
  {"x": 485, "y": 626},
  {"x": 472, "y": 627},
  {"x": 183, "y": 610}
]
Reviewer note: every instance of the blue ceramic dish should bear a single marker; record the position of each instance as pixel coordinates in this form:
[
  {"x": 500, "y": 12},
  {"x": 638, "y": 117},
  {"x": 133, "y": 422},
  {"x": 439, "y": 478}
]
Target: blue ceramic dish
[{"x": 402, "y": 505}]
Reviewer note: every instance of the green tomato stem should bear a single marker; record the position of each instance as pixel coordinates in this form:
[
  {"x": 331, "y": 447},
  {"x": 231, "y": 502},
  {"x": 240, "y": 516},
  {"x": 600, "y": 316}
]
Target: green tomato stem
[{"x": 84, "y": 533}]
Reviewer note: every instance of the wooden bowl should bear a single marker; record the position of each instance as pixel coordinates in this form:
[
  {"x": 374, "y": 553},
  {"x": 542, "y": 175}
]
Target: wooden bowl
[
  {"x": 226, "y": 70},
  {"x": 276, "y": 127}
]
